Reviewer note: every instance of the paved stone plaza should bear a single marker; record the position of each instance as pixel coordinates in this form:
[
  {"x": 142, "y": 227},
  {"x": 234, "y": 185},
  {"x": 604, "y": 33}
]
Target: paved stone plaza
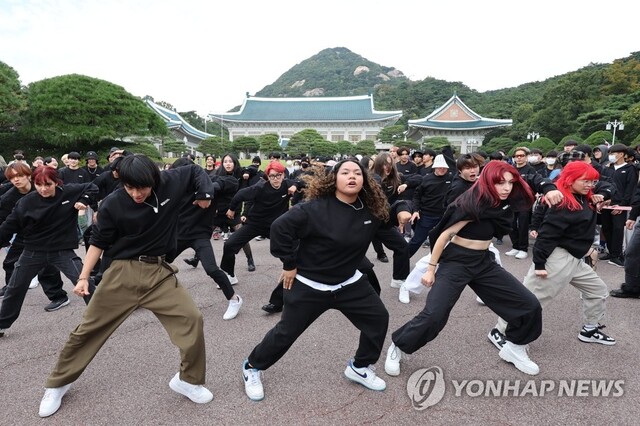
[{"x": 128, "y": 381}]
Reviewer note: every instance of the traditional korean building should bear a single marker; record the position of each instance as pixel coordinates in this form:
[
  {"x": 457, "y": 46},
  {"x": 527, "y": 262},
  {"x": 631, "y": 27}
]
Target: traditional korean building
[
  {"x": 352, "y": 118},
  {"x": 464, "y": 129},
  {"x": 181, "y": 129}
]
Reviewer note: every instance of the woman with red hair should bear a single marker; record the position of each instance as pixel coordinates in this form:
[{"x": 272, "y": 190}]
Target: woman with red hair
[
  {"x": 460, "y": 255},
  {"x": 269, "y": 199},
  {"x": 47, "y": 220},
  {"x": 564, "y": 238}
]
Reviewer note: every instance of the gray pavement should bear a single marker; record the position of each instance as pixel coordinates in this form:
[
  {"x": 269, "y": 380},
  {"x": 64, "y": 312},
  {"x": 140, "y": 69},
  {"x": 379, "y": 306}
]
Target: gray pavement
[{"x": 127, "y": 383}]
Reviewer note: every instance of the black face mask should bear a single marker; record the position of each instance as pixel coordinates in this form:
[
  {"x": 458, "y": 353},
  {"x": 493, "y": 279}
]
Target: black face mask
[{"x": 304, "y": 165}]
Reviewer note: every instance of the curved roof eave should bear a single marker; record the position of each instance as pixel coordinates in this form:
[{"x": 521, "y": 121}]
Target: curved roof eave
[
  {"x": 229, "y": 120},
  {"x": 480, "y": 127},
  {"x": 173, "y": 121}
]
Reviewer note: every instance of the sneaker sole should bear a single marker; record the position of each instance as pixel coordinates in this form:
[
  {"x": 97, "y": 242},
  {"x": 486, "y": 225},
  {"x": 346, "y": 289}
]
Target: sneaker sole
[
  {"x": 62, "y": 305},
  {"x": 252, "y": 397},
  {"x": 525, "y": 370},
  {"x": 389, "y": 371},
  {"x": 357, "y": 379},
  {"x": 55, "y": 409},
  {"x": 615, "y": 264},
  {"x": 175, "y": 386},
  {"x": 592, "y": 340}
]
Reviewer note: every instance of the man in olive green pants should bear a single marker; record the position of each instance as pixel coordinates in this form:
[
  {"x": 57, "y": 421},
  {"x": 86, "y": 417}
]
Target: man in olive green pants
[
  {"x": 126, "y": 286},
  {"x": 136, "y": 227}
]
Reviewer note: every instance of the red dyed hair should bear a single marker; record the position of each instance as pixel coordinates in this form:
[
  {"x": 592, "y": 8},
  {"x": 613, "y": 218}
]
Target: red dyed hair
[
  {"x": 483, "y": 193},
  {"x": 44, "y": 173},
  {"x": 276, "y": 166},
  {"x": 572, "y": 172}
]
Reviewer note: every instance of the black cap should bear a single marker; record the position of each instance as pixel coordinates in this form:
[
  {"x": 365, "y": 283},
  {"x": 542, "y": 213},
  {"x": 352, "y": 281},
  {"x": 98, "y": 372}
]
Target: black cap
[
  {"x": 91, "y": 155},
  {"x": 618, "y": 148},
  {"x": 114, "y": 149}
]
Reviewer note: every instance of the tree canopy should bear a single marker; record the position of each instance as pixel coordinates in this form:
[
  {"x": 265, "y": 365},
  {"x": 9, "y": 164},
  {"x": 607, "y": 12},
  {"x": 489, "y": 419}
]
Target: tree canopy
[
  {"x": 12, "y": 99},
  {"x": 74, "y": 109}
]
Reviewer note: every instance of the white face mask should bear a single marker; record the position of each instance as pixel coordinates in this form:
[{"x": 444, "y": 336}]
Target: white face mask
[
  {"x": 296, "y": 167},
  {"x": 550, "y": 161},
  {"x": 612, "y": 158},
  {"x": 533, "y": 159}
]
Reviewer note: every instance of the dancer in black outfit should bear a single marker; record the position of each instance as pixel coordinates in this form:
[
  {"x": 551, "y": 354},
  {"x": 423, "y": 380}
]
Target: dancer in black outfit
[
  {"x": 321, "y": 243},
  {"x": 269, "y": 200},
  {"x": 195, "y": 226},
  {"x": 19, "y": 174},
  {"x": 47, "y": 219},
  {"x": 468, "y": 226}
]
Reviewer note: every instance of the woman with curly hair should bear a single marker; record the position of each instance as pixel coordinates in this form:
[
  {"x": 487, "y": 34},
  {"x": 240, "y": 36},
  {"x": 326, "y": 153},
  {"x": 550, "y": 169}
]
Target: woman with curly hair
[
  {"x": 460, "y": 252},
  {"x": 320, "y": 270}
]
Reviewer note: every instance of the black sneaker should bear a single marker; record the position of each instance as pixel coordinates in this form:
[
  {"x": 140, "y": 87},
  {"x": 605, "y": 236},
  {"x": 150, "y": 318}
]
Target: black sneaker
[
  {"x": 192, "y": 261},
  {"x": 271, "y": 308},
  {"x": 57, "y": 304},
  {"x": 2, "y": 290},
  {"x": 624, "y": 294},
  {"x": 604, "y": 256},
  {"x": 250, "y": 265},
  {"x": 383, "y": 258},
  {"x": 1, "y": 332},
  {"x": 497, "y": 338},
  {"x": 596, "y": 336},
  {"x": 616, "y": 261}
]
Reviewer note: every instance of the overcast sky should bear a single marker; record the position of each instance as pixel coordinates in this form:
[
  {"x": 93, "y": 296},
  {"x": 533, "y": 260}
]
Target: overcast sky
[{"x": 205, "y": 55}]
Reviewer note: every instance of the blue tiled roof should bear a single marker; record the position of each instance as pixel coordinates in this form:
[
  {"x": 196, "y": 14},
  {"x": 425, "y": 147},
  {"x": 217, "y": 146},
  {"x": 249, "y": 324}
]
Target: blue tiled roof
[
  {"x": 432, "y": 121},
  {"x": 175, "y": 122},
  {"x": 461, "y": 125},
  {"x": 355, "y": 108}
]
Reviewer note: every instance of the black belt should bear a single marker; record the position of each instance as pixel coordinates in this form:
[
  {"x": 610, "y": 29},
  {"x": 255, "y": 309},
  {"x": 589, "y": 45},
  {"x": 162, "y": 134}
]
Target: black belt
[{"x": 150, "y": 259}]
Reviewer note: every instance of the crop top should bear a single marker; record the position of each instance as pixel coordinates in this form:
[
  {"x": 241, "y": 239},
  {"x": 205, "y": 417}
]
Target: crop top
[{"x": 482, "y": 230}]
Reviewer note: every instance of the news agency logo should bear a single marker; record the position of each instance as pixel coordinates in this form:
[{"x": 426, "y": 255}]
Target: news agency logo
[{"x": 426, "y": 387}]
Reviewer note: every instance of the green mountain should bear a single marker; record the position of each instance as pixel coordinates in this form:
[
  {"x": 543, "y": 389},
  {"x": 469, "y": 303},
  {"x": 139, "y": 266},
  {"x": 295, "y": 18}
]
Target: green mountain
[
  {"x": 578, "y": 103},
  {"x": 332, "y": 72}
]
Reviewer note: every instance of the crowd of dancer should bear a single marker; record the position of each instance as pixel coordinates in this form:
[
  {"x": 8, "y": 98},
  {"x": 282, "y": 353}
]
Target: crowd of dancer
[{"x": 135, "y": 217}]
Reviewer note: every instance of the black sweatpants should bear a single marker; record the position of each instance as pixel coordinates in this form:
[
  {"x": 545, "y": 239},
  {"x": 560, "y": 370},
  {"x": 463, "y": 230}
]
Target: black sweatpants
[
  {"x": 236, "y": 241},
  {"x": 519, "y": 234},
  {"x": 48, "y": 277},
  {"x": 303, "y": 305},
  {"x": 204, "y": 252},
  {"x": 498, "y": 289}
]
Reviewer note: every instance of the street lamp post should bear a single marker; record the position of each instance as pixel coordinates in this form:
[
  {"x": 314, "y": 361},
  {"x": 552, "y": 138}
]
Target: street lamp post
[
  {"x": 616, "y": 125},
  {"x": 532, "y": 136}
]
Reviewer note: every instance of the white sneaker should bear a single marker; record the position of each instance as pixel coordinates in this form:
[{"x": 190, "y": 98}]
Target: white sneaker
[
  {"x": 480, "y": 301},
  {"x": 233, "y": 309},
  {"x": 518, "y": 356},
  {"x": 52, "y": 400},
  {"x": 34, "y": 283},
  {"x": 392, "y": 363},
  {"x": 232, "y": 279},
  {"x": 196, "y": 393},
  {"x": 403, "y": 295},
  {"x": 522, "y": 255},
  {"x": 512, "y": 252},
  {"x": 396, "y": 283},
  {"x": 252, "y": 382},
  {"x": 365, "y": 376}
]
